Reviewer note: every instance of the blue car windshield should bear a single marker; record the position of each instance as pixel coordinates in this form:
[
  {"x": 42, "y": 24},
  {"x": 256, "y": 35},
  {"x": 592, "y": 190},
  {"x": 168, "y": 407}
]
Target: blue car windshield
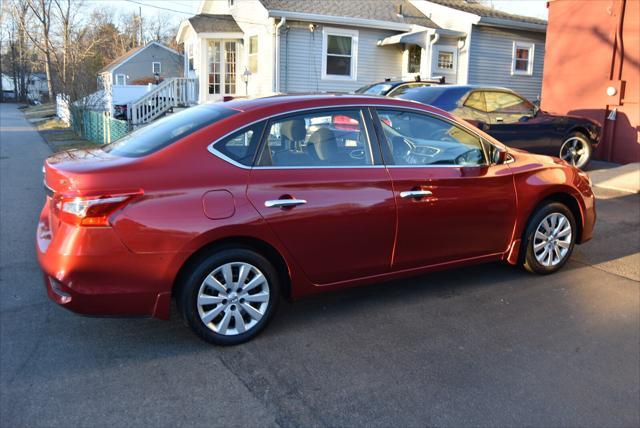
[{"x": 166, "y": 131}]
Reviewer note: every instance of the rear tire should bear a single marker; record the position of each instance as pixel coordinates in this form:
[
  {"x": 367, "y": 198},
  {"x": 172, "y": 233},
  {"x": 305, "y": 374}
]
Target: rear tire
[
  {"x": 549, "y": 239},
  {"x": 229, "y": 296},
  {"x": 576, "y": 149}
]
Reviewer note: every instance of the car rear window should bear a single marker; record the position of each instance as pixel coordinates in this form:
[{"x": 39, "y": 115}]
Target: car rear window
[
  {"x": 161, "y": 133},
  {"x": 375, "y": 89},
  {"x": 444, "y": 97}
]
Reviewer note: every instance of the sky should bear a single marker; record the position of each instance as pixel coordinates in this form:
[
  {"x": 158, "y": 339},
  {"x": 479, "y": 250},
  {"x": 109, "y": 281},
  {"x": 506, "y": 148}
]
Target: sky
[{"x": 181, "y": 9}]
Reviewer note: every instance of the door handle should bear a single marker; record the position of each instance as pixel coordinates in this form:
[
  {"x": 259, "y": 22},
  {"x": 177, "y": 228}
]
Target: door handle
[
  {"x": 415, "y": 194},
  {"x": 499, "y": 119},
  {"x": 283, "y": 203}
]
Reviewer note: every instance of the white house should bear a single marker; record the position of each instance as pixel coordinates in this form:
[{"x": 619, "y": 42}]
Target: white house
[
  {"x": 260, "y": 47},
  {"x": 36, "y": 89}
]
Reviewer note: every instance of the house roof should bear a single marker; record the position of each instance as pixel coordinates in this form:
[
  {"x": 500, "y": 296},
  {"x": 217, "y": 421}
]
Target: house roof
[
  {"x": 378, "y": 10},
  {"x": 207, "y": 23},
  {"x": 474, "y": 7},
  {"x": 130, "y": 54}
]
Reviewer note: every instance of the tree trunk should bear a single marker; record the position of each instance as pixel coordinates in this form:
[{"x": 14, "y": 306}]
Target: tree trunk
[{"x": 47, "y": 69}]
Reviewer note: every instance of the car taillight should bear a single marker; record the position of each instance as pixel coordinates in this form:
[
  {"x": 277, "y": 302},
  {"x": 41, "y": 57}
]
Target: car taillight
[{"x": 92, "y": 211}]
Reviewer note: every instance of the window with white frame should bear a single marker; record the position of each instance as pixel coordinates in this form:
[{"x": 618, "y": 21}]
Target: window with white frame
[
  {"x": 253, "y": 54},
  {"x": 156, "y": 67},
  {"x": 121, "y": 79},
  {"x": 190, "y": 57},
  {"x": 446, "y": 60},
  {"x": 522, "y": 58},
  {"x": 339, "y": 53}
]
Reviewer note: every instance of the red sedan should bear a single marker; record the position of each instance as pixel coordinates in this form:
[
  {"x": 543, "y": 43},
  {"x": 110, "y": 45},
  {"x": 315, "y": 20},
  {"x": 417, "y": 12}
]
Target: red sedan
[{"x": 226, "y": 207}]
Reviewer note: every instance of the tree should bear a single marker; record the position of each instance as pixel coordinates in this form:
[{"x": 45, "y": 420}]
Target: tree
[{"x": 41, "y": 10}]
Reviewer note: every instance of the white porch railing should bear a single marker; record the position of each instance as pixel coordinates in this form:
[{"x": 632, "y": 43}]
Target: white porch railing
[{"x": 174, "y": 92}]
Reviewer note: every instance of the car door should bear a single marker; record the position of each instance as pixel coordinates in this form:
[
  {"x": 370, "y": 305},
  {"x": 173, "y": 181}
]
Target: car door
[
  {"x": 452, "y": 204},
  {"x": 513, "y": 121},
  {"x": 324, "y": 192}
]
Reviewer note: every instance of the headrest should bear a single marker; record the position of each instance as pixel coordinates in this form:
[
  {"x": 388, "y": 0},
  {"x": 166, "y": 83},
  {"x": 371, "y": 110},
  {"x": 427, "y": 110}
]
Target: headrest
[
  {"x": 294, "y": 129},
  {"x": 324, "y": 143}
]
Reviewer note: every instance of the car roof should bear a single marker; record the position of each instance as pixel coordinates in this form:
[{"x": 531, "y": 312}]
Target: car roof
[
  {"x": 403, "y": 82},
  {"x": 284, "y": 103},
  {"x": 467, "y": 87}
]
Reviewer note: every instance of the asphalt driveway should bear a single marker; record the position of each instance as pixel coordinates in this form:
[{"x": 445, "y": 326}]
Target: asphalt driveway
[{"x": 487, "y": 345}]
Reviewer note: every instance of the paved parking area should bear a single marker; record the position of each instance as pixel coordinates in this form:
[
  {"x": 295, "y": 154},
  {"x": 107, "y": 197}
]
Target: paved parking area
[{"x": 486, "y": 345}]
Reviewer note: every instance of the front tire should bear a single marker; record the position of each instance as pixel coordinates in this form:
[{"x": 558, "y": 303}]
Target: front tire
[
  {"x": 576, "y": 149},
  {"x": 228, "y": 297},
  {"x": 549, "y": 239}
]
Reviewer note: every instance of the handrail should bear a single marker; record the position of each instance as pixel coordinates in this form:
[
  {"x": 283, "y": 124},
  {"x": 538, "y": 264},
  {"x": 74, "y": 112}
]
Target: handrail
[{"x": 174, "y": 92}]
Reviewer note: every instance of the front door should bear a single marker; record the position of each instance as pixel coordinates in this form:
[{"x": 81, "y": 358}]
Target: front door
[
  {"x": 222, "y": 62},
  {"x": 452, "y": 205},
  {"x": 322, "y": 190}
]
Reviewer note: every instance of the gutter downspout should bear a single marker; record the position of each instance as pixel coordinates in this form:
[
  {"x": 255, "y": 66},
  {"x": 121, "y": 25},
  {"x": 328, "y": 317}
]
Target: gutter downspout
[
  {"x": 618, "y": 50},
  {"x": 433, "y": 41},
  {"x": 283, "y": 21}
]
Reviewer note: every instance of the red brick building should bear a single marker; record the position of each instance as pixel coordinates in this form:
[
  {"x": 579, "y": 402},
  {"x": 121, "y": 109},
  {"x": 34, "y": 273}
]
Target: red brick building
[{"x": 592, "y": 68}]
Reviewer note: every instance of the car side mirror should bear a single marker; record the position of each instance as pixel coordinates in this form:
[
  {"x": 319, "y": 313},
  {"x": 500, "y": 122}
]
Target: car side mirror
[{"x": 499, "y": 156}]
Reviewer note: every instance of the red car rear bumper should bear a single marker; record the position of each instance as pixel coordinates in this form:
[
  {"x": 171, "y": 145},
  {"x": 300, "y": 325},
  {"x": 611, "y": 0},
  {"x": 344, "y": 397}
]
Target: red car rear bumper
[{"x": 91, "y": 272}]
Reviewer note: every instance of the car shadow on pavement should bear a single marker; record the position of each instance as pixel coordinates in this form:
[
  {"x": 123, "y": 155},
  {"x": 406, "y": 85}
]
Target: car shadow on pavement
[
  {"x": 117, "y": 340},
  {"x": 392, "y": 295}
]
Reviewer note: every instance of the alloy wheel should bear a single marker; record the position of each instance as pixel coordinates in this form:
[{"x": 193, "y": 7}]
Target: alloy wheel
[
  {"x": 552, "y": 240},
  {"x": 233, "y": 298},
  {"x": 575, "y": 150}
]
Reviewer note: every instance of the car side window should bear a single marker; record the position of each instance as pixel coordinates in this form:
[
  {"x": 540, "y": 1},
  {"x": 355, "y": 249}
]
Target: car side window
[
  {"x": 241, "y": 146},
  {"x": 421, "y": 139},
  {"x": 507, "y": 103},
  {"x": 475, "y": 100},
  {"x": 318, "y": 139}
]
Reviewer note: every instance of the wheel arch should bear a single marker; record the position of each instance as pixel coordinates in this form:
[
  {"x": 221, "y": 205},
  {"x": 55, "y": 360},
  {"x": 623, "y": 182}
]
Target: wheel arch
[
  {"x": 251, "y": 243},
  {"x": 581, "y": 129},
  {"x": 566, "y": 199}
]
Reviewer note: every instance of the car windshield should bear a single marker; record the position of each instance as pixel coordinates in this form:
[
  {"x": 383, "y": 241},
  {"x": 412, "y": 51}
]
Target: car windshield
[
  {"x": 375, "y": 89},
  {"x": 166, "y": 131}
]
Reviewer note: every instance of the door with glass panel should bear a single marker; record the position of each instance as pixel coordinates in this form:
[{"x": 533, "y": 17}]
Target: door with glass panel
[
  {"x": 453, "y": 202},
  {"x": 317, "y": 176},
  {"x": 222, "y": 57}
]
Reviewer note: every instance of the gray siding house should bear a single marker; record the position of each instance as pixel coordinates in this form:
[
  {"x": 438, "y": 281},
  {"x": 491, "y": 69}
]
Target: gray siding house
[
  {"x": 261, "y": 47},
  {"x": 131, "y": 76},
  {"x": 499, "y": 49},
  {"x": 143, "y": 63}
]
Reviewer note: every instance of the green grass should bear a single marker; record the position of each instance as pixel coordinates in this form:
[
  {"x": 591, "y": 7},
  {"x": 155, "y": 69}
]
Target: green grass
[
  {"x": 63, "y": 135},
  {"x": 60, "y": 137},
  {"x": 40, "y": 111},
  {"x": 48, "y": 124},
  {"x": 76, "y": 145}
]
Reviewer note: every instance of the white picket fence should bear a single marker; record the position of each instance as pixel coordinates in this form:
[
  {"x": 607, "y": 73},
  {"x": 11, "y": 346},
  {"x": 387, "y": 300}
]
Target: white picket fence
[
  {"x": 174, "y": 92},
  {"x": 62, "y": 108}
]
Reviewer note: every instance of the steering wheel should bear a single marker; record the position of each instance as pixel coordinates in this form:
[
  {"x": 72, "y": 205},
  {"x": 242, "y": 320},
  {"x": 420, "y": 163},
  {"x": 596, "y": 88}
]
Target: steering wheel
[
  {"x": 470, "y": 157},
  {"x": 357, "y": 154},
  {"x": 440, "y": 134}
]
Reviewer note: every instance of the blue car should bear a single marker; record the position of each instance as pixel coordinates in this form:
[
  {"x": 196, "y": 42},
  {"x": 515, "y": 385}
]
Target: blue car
[{"x": 513, "y": 120}]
